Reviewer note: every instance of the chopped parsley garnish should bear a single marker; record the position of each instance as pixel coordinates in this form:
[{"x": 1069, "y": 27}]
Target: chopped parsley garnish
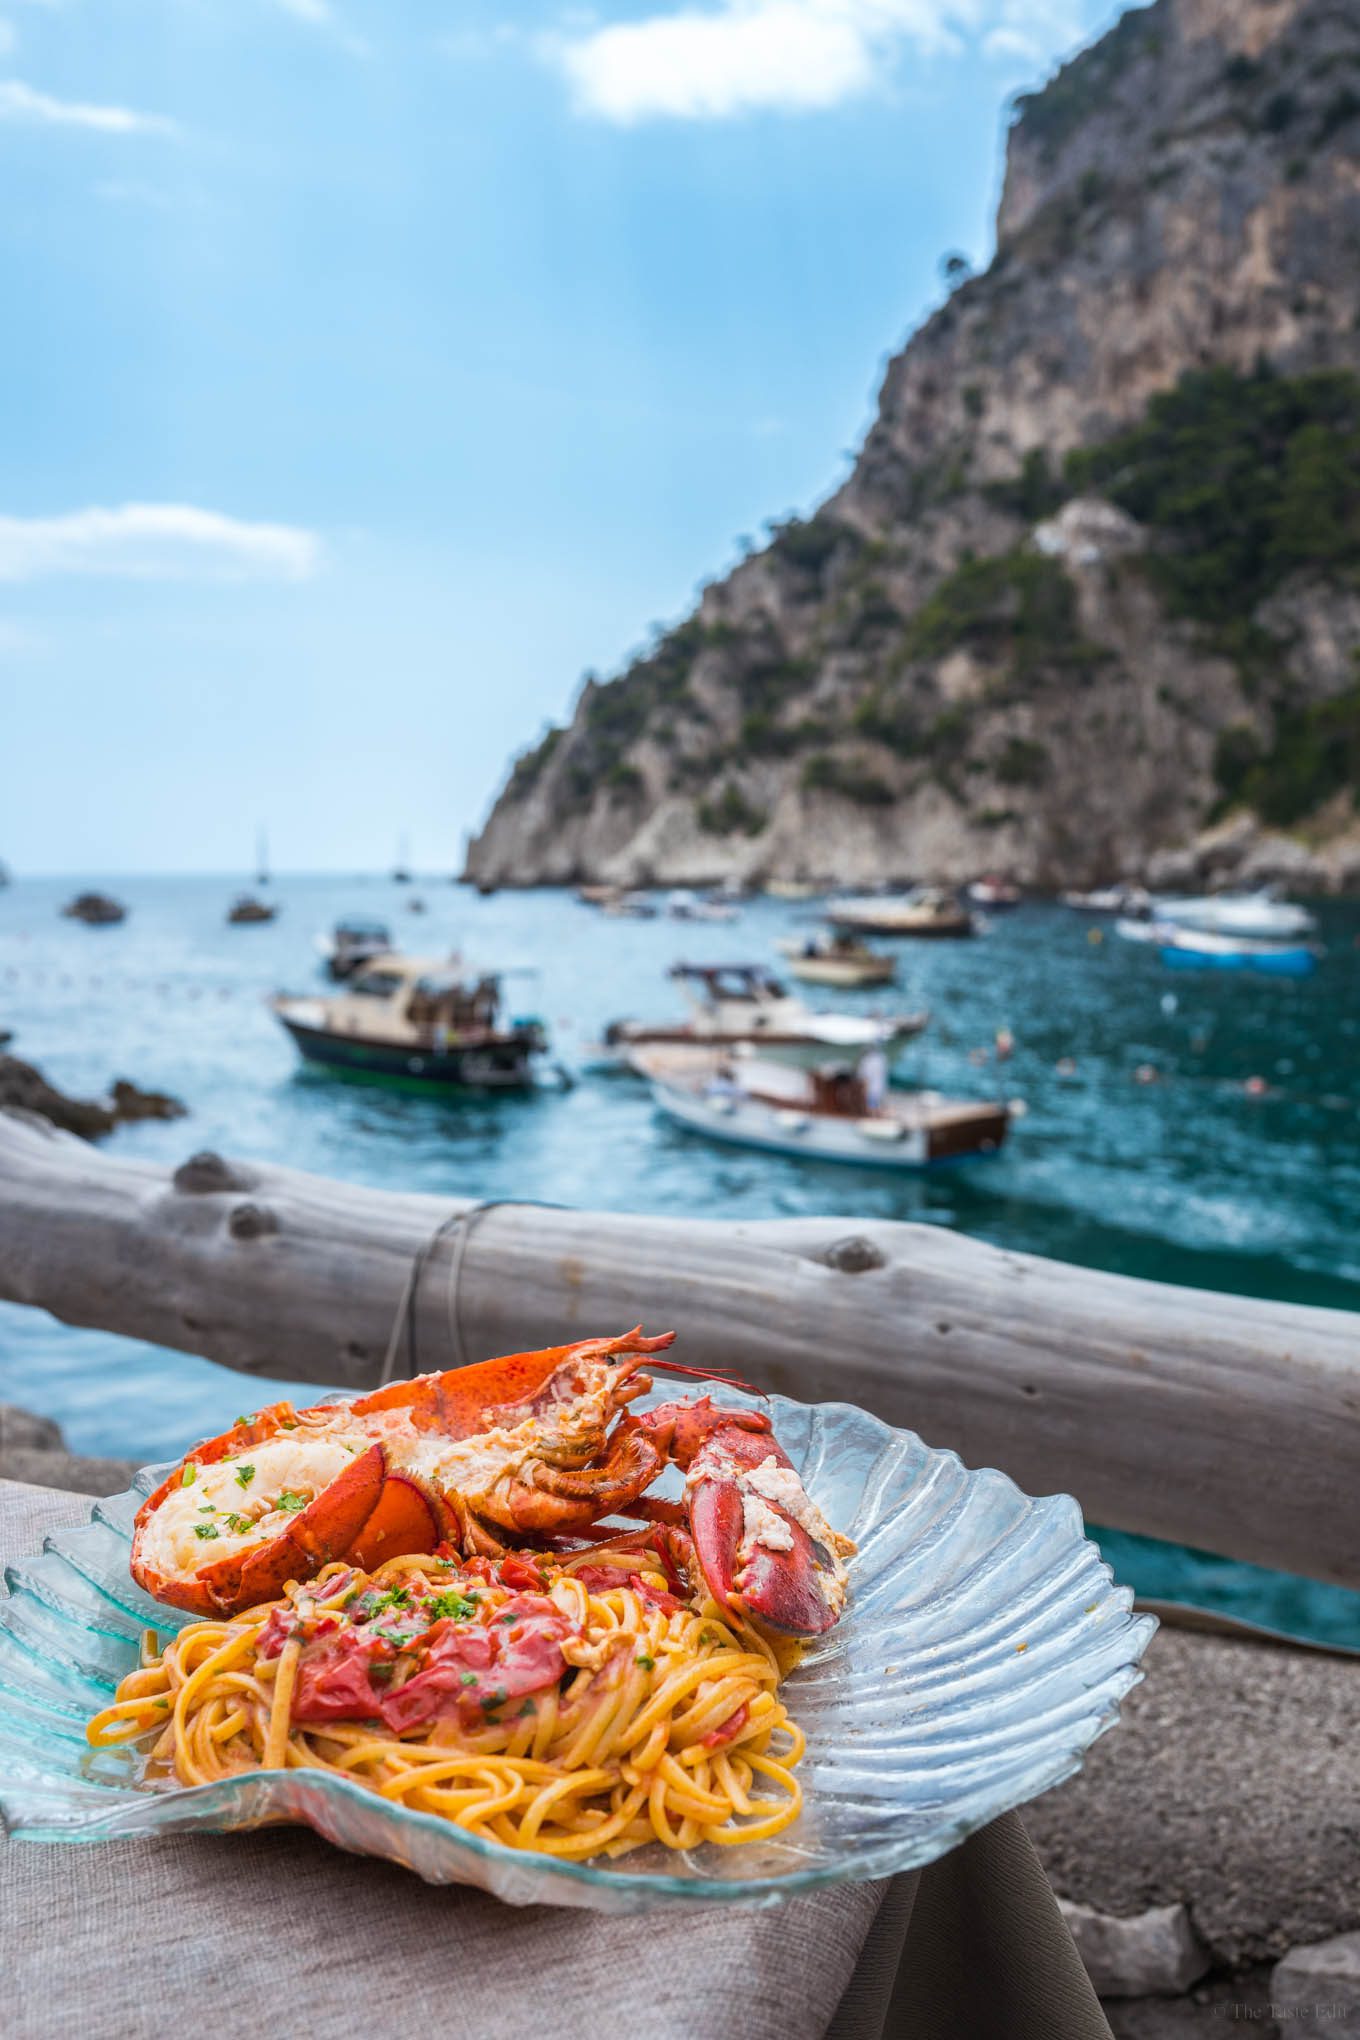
[
  {"x": 379, "y": 1674},
  {"x": 452, "y": 1606},
  {"x": 189, "y": 1476},
  {"x": 205, "y": 1530},
  {"x": 508, "y": 1618},
  {"x": 239, "y": 1524},
  {"x": 244, "y": 1476},
  {"x": 243, "y": 1420},
  {"x": 496, "y": 1699},
  {"x": 288, "y": 1423},
  {"x": 374, "y": 1605},
  {"x": 290, "y": 1503},
  {"x": 469, "y": 1678},
  {"x": 206, "y": 1509},
  {"x": 648, "y": 1663}
]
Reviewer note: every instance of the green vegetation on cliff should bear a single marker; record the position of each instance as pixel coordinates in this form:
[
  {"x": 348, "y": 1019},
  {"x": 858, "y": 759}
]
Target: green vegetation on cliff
[
  {"x": 1315, "y": 755},
  {"x": 1243, "y": 480}
]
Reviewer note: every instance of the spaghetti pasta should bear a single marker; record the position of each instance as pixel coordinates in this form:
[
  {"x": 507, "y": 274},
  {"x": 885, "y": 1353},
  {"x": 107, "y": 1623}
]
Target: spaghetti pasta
[{"x": 572, "y": 1706}]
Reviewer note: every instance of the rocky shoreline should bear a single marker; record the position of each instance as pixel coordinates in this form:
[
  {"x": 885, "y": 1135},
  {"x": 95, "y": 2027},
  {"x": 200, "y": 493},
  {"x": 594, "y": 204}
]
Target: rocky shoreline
[{"x": 24, "y": 1088}]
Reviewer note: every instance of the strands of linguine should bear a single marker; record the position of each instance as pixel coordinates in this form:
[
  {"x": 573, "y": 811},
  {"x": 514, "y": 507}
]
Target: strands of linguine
[{"x": 610, "y": 1759}]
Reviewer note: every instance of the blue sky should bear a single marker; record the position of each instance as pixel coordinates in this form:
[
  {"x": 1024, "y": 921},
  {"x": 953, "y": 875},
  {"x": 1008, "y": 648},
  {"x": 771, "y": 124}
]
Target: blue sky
[{"x": 371, "y": 371}]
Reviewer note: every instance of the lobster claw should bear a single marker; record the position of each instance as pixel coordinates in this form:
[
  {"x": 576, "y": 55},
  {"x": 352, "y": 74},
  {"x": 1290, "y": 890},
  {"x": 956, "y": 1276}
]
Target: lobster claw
[{"x": 764, "y": 1547}]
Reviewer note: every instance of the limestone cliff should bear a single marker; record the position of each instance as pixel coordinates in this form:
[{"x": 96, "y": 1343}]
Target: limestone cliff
[{"x": 1094, "y": 581}]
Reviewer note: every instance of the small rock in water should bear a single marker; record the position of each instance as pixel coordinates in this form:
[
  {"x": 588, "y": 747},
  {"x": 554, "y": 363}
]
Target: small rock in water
[
  {"x": 131, "y": 1103},
  {"x": 25, "y": 1089}
]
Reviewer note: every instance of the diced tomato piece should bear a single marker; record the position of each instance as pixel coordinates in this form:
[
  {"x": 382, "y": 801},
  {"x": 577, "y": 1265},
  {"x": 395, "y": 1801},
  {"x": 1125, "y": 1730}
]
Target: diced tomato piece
[{"x": 726, "y": 1730}]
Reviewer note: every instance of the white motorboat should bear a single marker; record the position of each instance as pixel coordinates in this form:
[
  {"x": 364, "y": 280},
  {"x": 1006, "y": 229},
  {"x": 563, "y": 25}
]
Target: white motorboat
[
  {"x": 1260, "y": 916},
  {"x": 926, "y": 910},
  {"x": 684, "y": 905},
  {"x": 835, "y": 957},
  {"x": 1110, "y": 899},
  {"x": 819, "y": 1115},
  {"x": 743, "y": 1004},
  {"x": 994, "y": 891},
  {"x": 1141, "y": 928}
]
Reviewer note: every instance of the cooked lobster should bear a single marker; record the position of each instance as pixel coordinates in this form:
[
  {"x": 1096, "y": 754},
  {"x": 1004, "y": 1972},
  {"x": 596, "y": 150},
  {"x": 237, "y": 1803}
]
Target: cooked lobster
[{"x": 527, "y": 1449}]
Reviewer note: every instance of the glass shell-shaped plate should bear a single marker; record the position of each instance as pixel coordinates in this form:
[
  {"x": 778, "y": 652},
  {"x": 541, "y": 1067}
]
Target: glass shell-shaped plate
[{"x": 984, "y": 1648}]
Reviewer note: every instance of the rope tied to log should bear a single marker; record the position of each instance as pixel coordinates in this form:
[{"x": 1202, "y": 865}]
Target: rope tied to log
[{"x": 458, "y": 1227}]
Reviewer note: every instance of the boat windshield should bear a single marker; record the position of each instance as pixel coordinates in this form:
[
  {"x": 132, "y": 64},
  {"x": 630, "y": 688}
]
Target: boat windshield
[{"x": 377, "y": 984}]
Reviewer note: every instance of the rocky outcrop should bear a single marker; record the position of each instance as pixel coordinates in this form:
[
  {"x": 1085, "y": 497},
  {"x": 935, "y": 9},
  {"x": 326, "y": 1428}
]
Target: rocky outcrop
[
  {"x": 25, "y": 1089},
  {"x": 1092, "y": 579},
  {"x": 33, "y": 1449}
]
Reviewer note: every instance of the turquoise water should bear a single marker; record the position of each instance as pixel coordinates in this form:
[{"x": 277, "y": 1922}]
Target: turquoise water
[{"x": 1187, "y": 1179}]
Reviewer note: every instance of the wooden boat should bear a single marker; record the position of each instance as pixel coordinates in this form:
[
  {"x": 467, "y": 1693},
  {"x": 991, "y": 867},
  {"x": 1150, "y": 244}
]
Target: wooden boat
[
  {"x": 351, "y": 946},
  {"x": 1201, "y": 949},
  {"x": 832, "y": 958},
  {"x": 743, "y": 1004},
  {"x": 246, "y": 911},
  {"x": 96, "y": 909},
  {"x": 817, "y": 1114},
  {"x": 418, "y": 1022},
  {"x": 924, "y": 911}
]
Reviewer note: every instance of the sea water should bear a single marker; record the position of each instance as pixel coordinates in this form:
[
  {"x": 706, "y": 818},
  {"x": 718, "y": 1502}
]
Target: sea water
[{"x": 1142, "y": 1150}]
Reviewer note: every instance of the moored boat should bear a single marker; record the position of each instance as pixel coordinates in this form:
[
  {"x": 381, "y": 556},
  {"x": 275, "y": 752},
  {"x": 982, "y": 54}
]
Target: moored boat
[
  {"x": 684, "y": 905},
  {"x": 418, "y": 1021},
  {"x": 994, "y": 892},
  {"x": 1110, "y": 899},
  {"x": 819, "y": 1114},
  {"x": 743, "y": 1004},
  {"x": 837, "y": 958},
  {"x": 1201, "y": 949},
  {"x": 927, "y": 911},
  {"x": 246, "y": 911},
  {"x": 96, "y": 909},
  {"x": 1260, "y": 915}
]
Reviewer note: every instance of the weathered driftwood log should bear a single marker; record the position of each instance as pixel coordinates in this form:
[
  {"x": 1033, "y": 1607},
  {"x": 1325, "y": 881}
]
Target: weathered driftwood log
[{"x": 1217, "y": 1421}]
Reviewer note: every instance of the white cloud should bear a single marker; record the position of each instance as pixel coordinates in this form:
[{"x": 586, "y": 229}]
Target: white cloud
[
  {"x": 24, "y": 103},
  {"x": 744, "y": 56},
  {"x": 155, "y": 542},
  {"x": 9, "y": 36}
]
